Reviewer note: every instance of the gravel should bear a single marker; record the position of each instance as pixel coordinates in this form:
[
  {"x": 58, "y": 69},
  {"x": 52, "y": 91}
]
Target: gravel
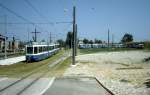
[{"x": 124, "y": 73}]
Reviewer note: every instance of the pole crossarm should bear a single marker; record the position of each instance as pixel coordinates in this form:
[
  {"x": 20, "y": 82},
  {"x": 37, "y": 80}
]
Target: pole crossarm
[{"x": 35, "y": 33}]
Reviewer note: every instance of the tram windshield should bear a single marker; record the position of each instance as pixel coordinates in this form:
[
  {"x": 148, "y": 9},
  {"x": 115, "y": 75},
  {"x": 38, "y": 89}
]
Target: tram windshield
[{"x": 29, "y": 50}]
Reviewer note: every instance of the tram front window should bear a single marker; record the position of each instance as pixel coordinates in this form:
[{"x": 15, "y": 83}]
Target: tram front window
[{"x": 29, "y": 50}]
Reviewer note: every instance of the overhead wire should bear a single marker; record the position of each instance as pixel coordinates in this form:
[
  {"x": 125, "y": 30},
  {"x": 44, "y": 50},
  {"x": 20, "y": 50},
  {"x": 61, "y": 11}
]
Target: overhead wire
[
  {"x": 26, "y": 20},
  {"x": 17, "y": 15},
  {"x": 24, "y": 23},
  {"x": 42, "y": 16},
  {"x": 34, "y": 23},
  {"x": 36, "y": 10}
]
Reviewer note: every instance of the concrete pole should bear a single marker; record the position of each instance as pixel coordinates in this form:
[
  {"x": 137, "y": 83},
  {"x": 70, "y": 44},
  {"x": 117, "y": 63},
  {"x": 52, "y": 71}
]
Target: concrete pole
[
  {"x": 76, "y": 46},
  {"x": 112, "y": 40},
  {"x": 73, "y": 49},
  {"x": 5, "y": 17},
  {"x": 35, "y": 35},
  {"x": 50, "y": 36},
  {"x": 108, "y": 38}
]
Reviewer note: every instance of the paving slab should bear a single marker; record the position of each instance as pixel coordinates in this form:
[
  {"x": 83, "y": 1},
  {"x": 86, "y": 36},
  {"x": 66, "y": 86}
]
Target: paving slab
[
  {"x": 16, "y": 88},
  {"x": 13, "y": 60},
  {"x": 76, "y": 86},
  {"x": 39, "y": 87}
]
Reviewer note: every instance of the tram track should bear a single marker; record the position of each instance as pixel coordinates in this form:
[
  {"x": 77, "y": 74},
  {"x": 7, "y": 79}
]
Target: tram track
[
  {"x": 52, "y": 65},
  {"x": 26, "y": 81},
  {"x": 34, "y": 81}
]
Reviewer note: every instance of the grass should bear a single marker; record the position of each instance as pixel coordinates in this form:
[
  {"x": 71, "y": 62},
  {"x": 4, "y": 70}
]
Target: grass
[
  {"x": 95, "y": 50},
  {"x": 22, "y": 68},
  {"x": 60, "y": 68}
]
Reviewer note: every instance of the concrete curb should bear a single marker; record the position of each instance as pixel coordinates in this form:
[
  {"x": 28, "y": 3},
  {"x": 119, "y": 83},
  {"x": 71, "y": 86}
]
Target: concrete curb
[{"x": 103, "y": 86}]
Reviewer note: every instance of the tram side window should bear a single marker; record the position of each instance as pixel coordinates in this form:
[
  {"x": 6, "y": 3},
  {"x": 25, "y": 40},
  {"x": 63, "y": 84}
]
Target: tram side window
[
  {"x": 55, "y": 46},
  {"x": 44, "y": 48},
  {"x": 35, "y": 50},
  {"x": 29, "y": 50},
  {"x": 50, "y": 48},
  {"x": 40, "y": 49}
]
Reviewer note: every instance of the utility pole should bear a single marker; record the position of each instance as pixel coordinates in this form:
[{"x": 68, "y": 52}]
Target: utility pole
[
  {"x": 108, "y": 38},
  {"x": 13, "y": 44},
  {"x": 28, "y": 33},
  {"x": 5, "y": 17},
  {"x": 74, "y": 30},
  {"x": 50, "y": 37},
  {"x": 76, "y": 46},
  {"x": 112, "y": 39},
  {"x": 35, "y": 35}
]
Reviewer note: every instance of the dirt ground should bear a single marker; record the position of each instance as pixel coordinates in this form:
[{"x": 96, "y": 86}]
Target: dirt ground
[{"x": 124, "y": 73}]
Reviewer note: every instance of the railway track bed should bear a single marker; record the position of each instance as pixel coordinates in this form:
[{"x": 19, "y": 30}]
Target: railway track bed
[{"x": 32, "y": 83}]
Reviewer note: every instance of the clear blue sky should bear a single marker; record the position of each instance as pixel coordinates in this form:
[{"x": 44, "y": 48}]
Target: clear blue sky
[{"x": 94, "y": 17}]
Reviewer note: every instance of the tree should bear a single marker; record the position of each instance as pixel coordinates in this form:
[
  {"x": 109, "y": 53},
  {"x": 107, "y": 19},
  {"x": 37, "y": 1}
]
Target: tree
[
  {"x": 21, "y": 45},
  {"x": 127, "y": 38},
  {"x": 147, "y": 44},
  {"x": 43, "y": 40},
  {"x": 97, "y": 41},
  {"x": 91, "y": 42},
  {"x": 61, "y": 42},
  {"x": 69, "y": 39},
  {"x": 85, "y": 41}
]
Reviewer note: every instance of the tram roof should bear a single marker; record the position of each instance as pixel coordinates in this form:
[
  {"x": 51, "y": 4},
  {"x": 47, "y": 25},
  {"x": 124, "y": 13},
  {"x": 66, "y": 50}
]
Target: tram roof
[{"x": 37, "y": 44}]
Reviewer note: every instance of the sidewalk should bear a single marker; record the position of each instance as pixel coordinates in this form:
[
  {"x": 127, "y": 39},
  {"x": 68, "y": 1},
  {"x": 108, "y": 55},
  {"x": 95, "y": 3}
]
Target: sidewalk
[{"x": 13, "y": 60}]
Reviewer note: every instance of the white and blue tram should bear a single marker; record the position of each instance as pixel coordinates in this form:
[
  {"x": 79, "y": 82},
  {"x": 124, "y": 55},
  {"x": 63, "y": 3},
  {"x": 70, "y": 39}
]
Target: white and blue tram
[{"x": 37, "y": 52}]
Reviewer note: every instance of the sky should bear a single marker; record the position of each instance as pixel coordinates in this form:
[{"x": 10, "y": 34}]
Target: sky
[{"x": 93, "y": 17}]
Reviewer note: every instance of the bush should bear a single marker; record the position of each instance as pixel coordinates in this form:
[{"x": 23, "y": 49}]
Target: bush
[{"x": 147, "y": 45}]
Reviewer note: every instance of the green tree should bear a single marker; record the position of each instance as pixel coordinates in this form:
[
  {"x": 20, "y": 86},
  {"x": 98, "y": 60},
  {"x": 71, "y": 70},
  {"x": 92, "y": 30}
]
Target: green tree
[
  {"x": 43, "y": 40},
  {"x": 97, "y": 41},
  {"x": 85, "y": 41},
  {"x": 61, "y": 42},
  {"x": 147, "y": 44},
  {"x": 21, "y": 44},
  {"x": 127, "y": 38},
  {"x": 91, "y": 42}
]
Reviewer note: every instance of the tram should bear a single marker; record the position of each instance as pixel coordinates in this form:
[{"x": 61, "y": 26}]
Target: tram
[{"x": 37, "y": 52}]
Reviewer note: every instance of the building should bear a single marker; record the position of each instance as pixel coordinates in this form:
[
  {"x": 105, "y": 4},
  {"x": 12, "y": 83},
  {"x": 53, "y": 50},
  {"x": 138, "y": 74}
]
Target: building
[
  {"x": 2, "y": 42},
  {"x": 11, "y": 45}
]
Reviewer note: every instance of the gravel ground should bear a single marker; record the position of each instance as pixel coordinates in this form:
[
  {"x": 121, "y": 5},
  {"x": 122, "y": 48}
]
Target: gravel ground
[{"x": 124, "y": 73}]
